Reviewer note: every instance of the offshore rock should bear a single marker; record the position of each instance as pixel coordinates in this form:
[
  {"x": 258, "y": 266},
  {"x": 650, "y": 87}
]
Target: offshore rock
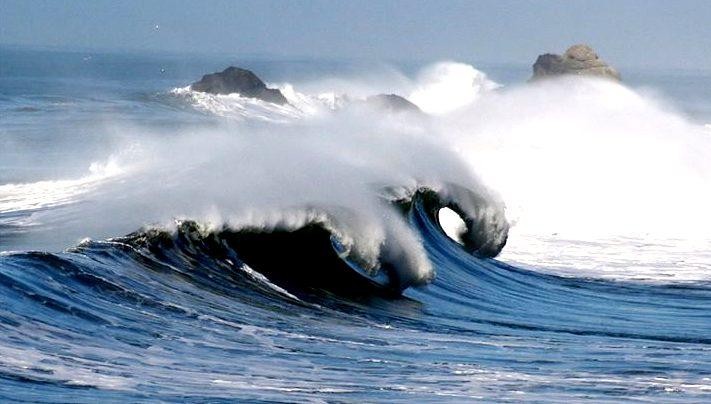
[
  {"x": 392, "y": 103},
  {"x": 241, "y": 81},
  {"x": 577, "y": 60}
]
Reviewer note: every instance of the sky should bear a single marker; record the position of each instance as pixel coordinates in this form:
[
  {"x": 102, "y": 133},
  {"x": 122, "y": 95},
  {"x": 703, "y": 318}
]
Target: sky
[{"x": 650, "y": 33}]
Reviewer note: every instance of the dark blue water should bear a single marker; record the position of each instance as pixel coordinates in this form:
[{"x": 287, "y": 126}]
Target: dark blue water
[{"x": 165, "y": 316}]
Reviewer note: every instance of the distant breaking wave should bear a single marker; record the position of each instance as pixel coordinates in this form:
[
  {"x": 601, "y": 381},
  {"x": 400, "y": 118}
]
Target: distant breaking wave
[{"x": 438, "y": 89}]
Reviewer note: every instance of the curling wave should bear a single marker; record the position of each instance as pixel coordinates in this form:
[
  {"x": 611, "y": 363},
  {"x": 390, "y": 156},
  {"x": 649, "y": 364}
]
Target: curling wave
[
  {"x": 321, "y": 241},
  {"x": 132, "y": 318}
]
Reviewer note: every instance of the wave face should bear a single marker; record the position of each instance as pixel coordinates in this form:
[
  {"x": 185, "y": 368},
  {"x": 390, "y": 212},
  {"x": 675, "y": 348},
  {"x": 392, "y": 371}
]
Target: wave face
[{"x": 544, "y": 241}]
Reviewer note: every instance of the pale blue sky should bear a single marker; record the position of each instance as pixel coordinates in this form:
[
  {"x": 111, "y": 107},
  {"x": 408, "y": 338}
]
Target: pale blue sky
[{"x": 626, "y": 33}]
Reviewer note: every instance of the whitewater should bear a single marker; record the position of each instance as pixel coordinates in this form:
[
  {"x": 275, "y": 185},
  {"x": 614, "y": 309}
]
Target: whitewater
[{"x": 513, "y": 240}]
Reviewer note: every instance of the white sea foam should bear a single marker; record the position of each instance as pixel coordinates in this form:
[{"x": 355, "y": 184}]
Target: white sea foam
[
  {"x": 591, "y": 160},
  {"x": 588, "y": 158},
  {"x": 28, "y": 197},
  {"x": 237, "y": 107},
  {"x": 448, "y": 86}
]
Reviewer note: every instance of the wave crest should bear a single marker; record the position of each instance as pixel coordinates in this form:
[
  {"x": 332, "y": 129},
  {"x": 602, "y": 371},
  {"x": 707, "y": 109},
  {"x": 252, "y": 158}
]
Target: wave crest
[{"x": 337, "y": 239}]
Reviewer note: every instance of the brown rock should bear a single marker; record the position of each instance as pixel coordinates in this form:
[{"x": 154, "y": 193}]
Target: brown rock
[{"x": 577, "y": 60}]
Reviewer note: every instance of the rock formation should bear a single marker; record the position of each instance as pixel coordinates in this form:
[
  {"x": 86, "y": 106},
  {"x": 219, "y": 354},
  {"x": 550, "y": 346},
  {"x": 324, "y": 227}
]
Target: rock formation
[
  {"x": 241, "y": 81},
  {"x": 577, "y": 60},
  {"x": 392, "y": 103}
]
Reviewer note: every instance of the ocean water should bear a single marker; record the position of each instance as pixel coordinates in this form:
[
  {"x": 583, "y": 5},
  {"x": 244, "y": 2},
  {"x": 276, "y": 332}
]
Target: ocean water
[{"x": 517, "y": 241}]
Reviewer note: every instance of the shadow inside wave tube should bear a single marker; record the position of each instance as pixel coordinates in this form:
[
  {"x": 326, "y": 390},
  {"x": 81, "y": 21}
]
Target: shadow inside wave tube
[{"x": 312, "y": 257}]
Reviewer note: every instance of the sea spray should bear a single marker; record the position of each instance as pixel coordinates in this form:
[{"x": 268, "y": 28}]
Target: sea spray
[
  {"x": 558, "y": 152},
  {"x": 332, "y": 169}
]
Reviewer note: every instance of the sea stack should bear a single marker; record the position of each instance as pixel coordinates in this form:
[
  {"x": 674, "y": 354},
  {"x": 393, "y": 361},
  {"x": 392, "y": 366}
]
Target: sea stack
[
  {"x": 579, "y": 60},
  {"x": 241, "y": 81}
]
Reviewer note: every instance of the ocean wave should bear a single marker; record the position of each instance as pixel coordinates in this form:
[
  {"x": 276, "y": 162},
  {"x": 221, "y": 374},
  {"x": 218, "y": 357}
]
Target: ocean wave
[
  {"x": 333, "y": 238},
  {"x": 546, "y": 240},
  {"x": 145, "y": 310}
]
